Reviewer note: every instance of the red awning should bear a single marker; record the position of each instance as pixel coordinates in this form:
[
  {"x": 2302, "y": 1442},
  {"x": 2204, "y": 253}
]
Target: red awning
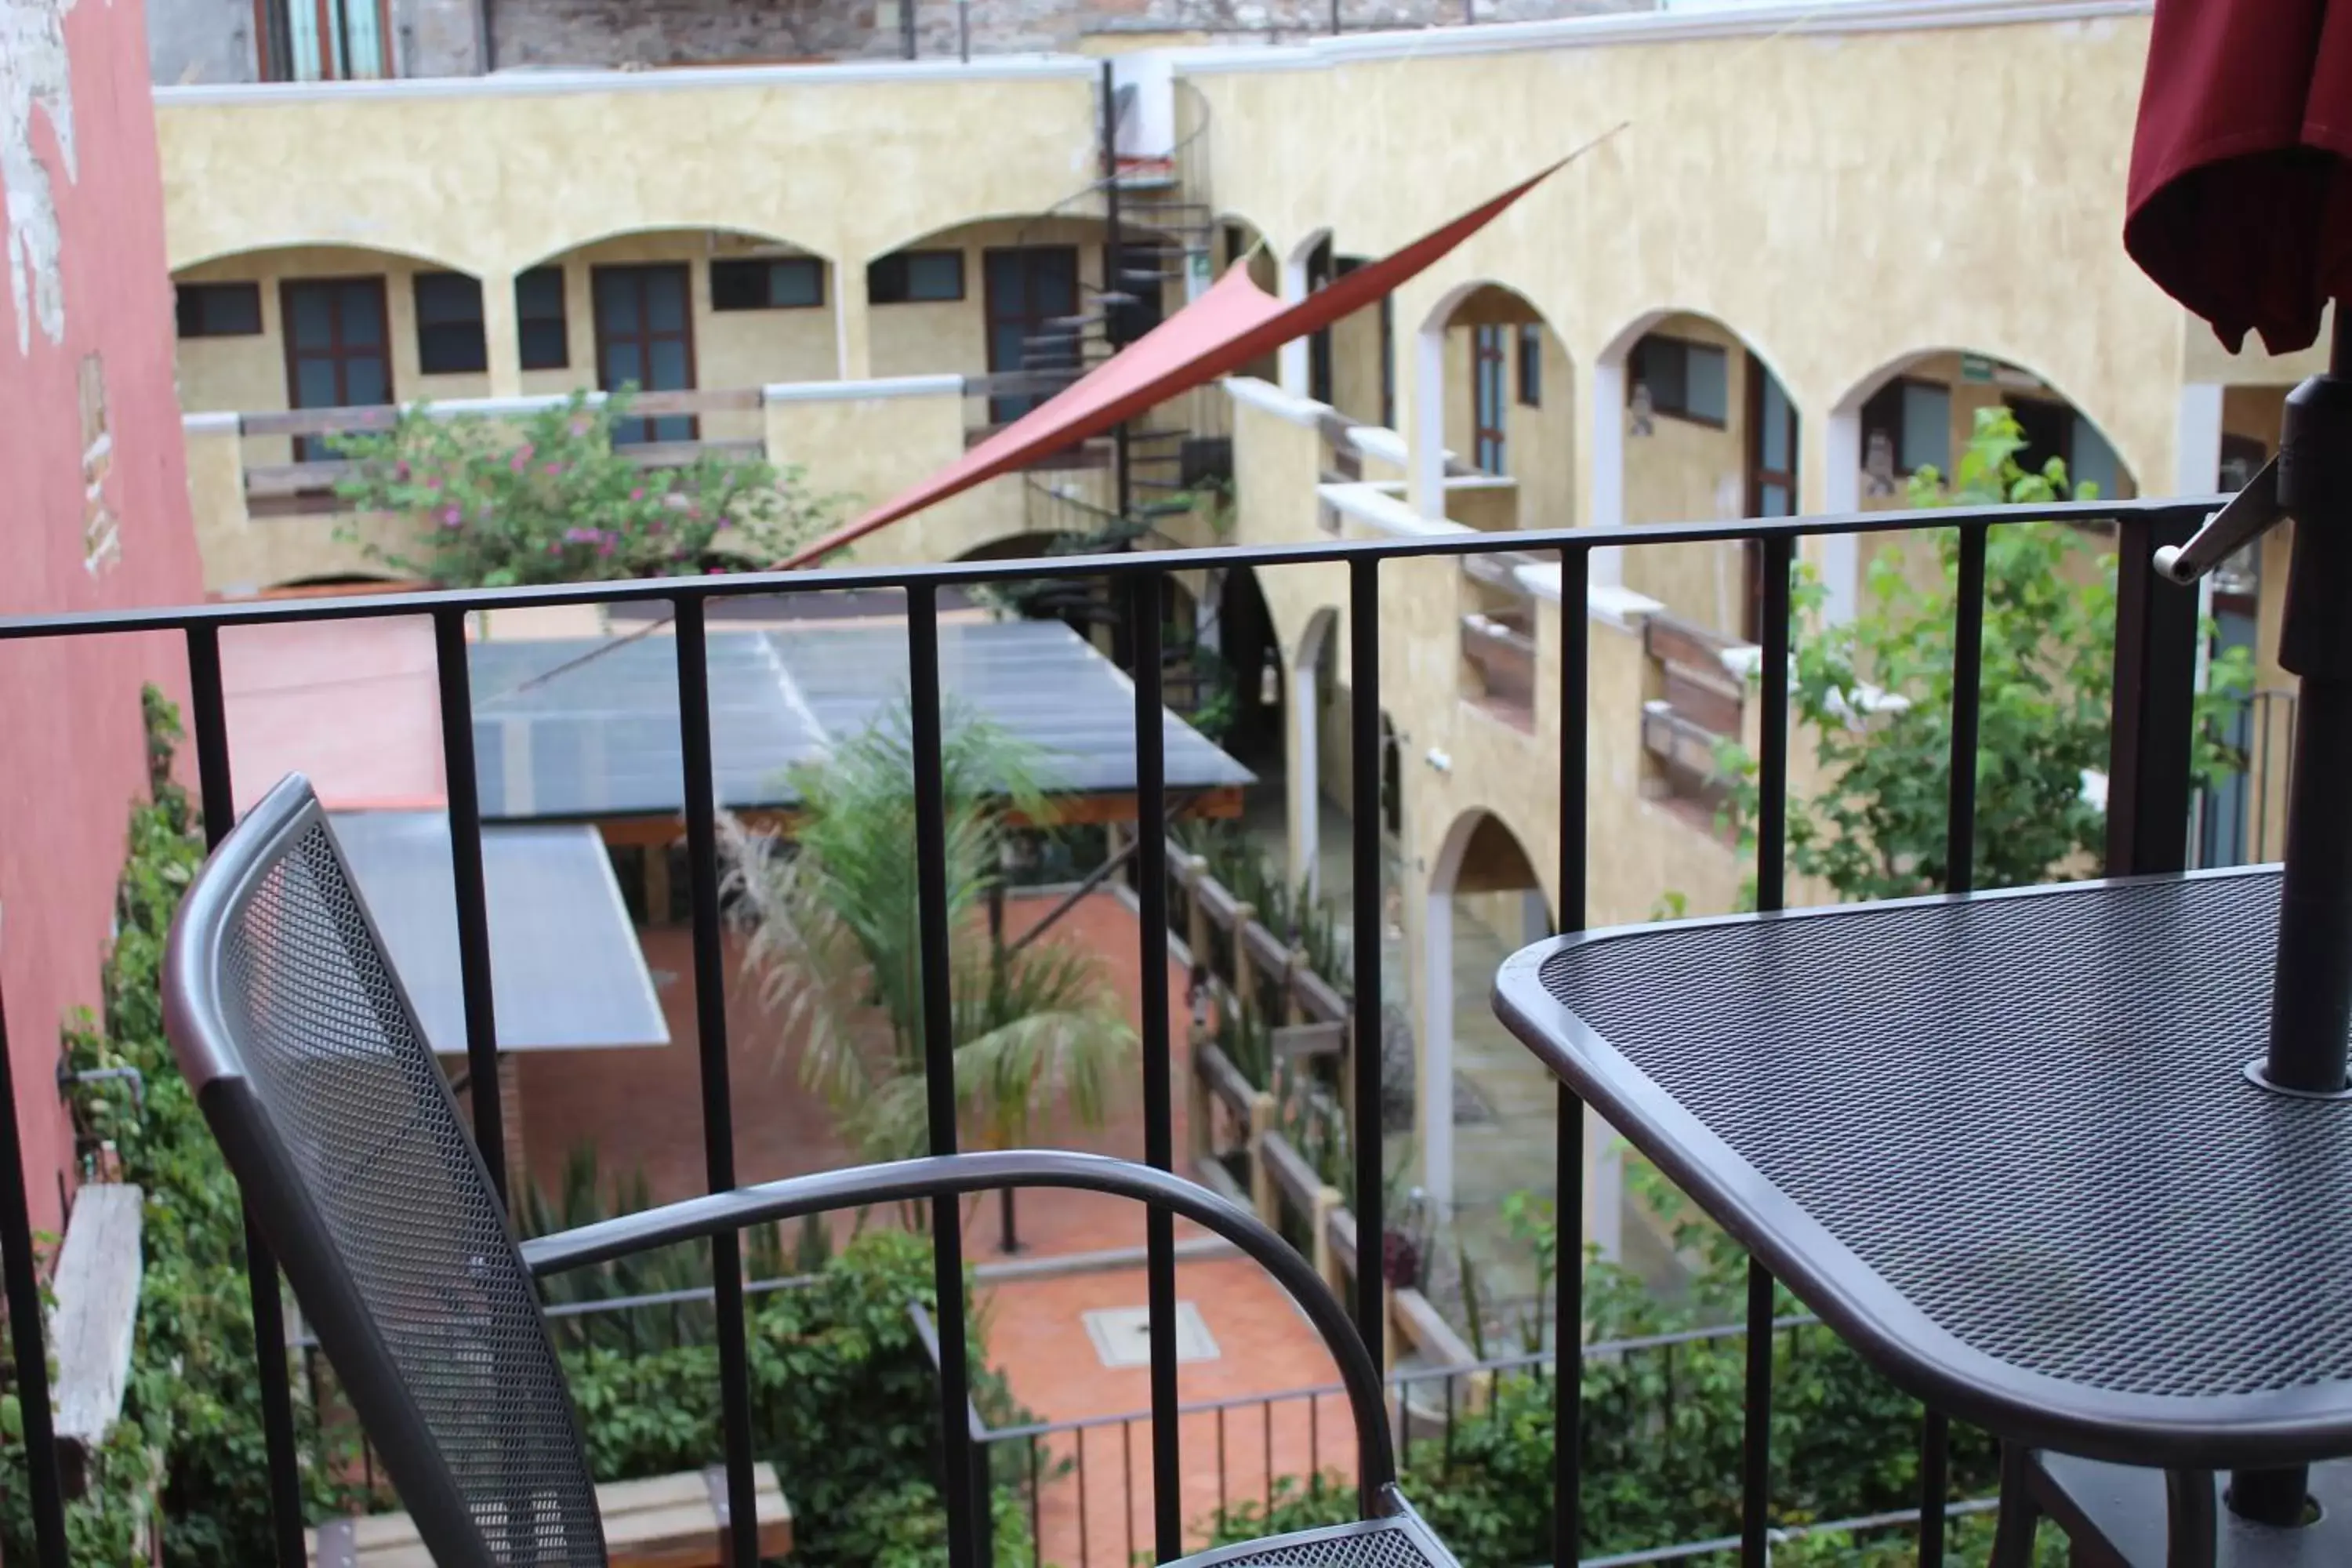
[
  {"x": 1224, "y": 329},
  {"x": 2240, "y": 192}
]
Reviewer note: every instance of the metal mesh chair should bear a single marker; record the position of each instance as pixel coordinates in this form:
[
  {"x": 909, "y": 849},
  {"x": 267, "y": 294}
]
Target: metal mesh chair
[{"x": 308, "y": 1061}]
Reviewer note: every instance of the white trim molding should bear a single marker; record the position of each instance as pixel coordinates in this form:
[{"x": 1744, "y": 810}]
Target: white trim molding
[
  {"x": 528, "y": 83},
  {"x": 862, "y": 391},
  {"x": 1647, "y": 28},
  {"x": 1269, "y": 398}
]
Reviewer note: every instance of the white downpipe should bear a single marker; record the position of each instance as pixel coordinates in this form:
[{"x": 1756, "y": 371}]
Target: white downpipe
[
  {"x": 1427, "y": 486},
  {"x": 1437, "y": 1046},
  {"x": 1290, "y": 360},
  {"x": 1306, "y": 774},
  {"x": 2197, "y": 440},
  {"x": 1608, "y": 493},
  {"x": 1840, "y": 558},
  {"x": 1608, "y": 1187}
]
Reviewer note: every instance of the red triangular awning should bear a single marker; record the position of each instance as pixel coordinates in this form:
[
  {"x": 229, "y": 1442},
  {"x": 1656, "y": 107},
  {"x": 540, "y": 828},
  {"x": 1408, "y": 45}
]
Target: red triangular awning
[
  {"x": 1222, "y": 331},
  {"x": 2239, "y": 202}
]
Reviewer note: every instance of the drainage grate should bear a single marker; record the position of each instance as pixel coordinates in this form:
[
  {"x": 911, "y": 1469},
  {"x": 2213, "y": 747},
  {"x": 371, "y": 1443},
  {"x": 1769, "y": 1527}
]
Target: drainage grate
[{"x": 1122, "y": 1335}]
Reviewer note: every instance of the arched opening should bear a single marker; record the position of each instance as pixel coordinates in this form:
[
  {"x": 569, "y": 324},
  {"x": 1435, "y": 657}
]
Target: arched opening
[
  {"x": 1239, "y": 242},
  {"x": 1915, "y": 414},
  {"x": 325, "y": 327},
  {"x": 1495, "y": 432},
  {"x": 1305, "y": 268},
  {"x": 1691, "y": 424},
  {"x": 1311, "y": 709},
  {"x": 680, "y": 310},
  {"x": 326, "y": 583},
  {"x": 1485, "y": 901},
  {"x": 1918, "y": 411},
  {"x": 1358, "y": 368},
  {"x": 996, "y": 297}
]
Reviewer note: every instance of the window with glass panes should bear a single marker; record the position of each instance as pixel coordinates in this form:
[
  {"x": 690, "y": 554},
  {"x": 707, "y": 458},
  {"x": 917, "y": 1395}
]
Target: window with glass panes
[
  {"x": 449, "y": 324},
  {"x": 542, "y": 328},
  {"x": 1488, "y": 358},
  {"x": 338, "y": 350}
]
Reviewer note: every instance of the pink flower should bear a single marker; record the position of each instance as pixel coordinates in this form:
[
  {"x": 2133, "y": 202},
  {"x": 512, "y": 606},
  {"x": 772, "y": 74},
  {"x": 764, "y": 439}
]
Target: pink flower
[
  {"x": 517, "y": 463},
  {"x": 579, "y": 426},
  {"x": 400, "y": 469},
  {"x": 637, "y": 494},
  {"x": 582, "y": 536},
  {"x": 433, "y": 484},
  {"x": 605, "y": 548},
  {"x": 452, "y": 518},
  {"x": 524, "y": 455},
  {"x": 552, "y": 469},
  {"x": 553, "y": 548}
]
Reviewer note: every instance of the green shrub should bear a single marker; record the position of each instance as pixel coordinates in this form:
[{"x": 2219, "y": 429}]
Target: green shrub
[
  {"x": 551, "y": 497},
  {"x": 844, "y": 1395},
  {"x": 1663, "y": 1436}
]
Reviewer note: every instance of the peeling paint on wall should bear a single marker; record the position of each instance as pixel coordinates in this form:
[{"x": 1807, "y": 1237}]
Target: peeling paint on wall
[
  {"x": 101, "y": 539},
  {"x": 34, "y": 73}
]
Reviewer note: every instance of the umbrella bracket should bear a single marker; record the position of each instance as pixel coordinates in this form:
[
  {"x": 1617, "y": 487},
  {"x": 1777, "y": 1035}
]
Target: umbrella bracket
[{"x": 2309, "y": 480}]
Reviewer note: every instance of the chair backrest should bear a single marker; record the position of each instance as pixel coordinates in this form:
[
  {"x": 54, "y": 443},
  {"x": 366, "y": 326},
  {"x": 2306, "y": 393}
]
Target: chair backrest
[{"x": 308, "y": 1060}]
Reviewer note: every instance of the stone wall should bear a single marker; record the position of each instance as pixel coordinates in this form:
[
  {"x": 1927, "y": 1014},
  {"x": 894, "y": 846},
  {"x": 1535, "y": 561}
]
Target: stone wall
[{"x": 675, "y": 32}]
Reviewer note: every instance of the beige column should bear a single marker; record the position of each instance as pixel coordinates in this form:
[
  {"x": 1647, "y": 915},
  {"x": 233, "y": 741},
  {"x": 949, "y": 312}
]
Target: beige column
[
  {"x": 502, "y": 335},
  {"x": 855, "y": 355}
]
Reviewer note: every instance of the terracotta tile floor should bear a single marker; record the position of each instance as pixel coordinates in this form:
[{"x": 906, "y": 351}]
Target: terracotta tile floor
[
  {"x": 1097, "y": 1514},
  {"x": 643, "y": 1109}
]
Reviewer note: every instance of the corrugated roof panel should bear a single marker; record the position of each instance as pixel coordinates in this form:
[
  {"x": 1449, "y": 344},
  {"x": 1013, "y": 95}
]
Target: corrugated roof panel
[
  {"x": 600, "y": 739},
  {"x": 566, "y": 972}
]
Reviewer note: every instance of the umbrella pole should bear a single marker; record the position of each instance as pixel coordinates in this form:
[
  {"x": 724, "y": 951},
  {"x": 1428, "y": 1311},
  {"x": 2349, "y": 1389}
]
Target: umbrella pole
[{"x": 2311, "y": 995}]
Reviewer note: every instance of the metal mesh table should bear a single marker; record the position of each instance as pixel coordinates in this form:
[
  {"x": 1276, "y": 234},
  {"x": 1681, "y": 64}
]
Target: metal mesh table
[{"x": 2005, "y": 1143}]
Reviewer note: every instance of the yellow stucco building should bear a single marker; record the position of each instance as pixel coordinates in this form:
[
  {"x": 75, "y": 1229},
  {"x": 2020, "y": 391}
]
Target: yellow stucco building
[{"x": 1796, "y": 250}]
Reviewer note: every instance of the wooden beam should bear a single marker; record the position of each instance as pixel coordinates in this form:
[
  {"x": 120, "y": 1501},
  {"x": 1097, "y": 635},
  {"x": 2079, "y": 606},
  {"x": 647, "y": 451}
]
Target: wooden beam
[
  {"x": 666, "y": 1522},
  {"x": 1224, "y": 1080},
  {"x": 93, "y": 1323}
]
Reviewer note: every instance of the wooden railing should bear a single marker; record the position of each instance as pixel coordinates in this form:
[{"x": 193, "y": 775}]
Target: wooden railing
[
  {"x": 1500, "y": 659},
  {"x": 1700, "y": 705},
  {"x": 307, "y": 486},
  {"x": 1230, "y": 1115}
]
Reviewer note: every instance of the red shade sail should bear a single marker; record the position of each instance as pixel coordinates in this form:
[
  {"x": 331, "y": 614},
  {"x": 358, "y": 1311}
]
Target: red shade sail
[
  {"x": 2240, "y": 192},
  {"x": 1224, "y": 329}
]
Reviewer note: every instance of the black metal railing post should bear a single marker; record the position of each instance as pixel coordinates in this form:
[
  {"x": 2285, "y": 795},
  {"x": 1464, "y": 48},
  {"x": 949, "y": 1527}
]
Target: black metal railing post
[
  {"x": 701, "y": 792},
  {"x": 1568, "y": 1205},
  {"x": 1772, "y": 894},
  {"x": 1370, "y": 1015},
  {"x": 966, "y": 1513},
  {"x": 1967, "y": 672},
  {"x": 1158, "y": 1075},
  {"x": 463, "y": 784},
  {"x": 2156, "y": 666},
  {"x": 25, "y": 1335},
  {"x": 208, "y": 723}
]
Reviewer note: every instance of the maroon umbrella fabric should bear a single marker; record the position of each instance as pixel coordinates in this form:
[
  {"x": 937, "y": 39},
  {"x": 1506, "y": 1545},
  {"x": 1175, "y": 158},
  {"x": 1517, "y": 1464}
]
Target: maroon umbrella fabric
[{"x": 2240, "y": 202}]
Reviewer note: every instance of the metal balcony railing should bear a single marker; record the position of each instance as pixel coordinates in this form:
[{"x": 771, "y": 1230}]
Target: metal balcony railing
[{"x": 2149, "y": 803}]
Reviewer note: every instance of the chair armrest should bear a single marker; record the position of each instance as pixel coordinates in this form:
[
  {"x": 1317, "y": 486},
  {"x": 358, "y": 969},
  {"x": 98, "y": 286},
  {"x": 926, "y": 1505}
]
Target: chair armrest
[{"x": 954, "y": 1175}]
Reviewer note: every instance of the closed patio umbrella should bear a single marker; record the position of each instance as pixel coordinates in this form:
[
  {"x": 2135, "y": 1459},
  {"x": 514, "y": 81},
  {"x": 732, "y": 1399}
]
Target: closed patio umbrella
[
  {"x": 2239, "y": 202},
  {"x": 2240, "y": 206}
]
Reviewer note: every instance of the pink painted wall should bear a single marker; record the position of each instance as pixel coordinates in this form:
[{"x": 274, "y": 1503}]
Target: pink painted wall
[{"x": 93, "y": 513}]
